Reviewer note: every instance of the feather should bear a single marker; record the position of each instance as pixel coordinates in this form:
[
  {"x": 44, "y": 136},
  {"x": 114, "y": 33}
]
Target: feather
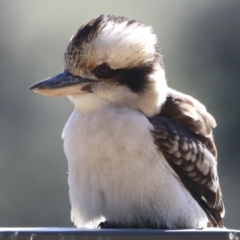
[{"x": 183, "y": 133}]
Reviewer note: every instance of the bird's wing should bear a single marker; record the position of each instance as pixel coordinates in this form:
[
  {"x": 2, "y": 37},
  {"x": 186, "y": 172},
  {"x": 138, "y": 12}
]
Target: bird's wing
[{"x": 183, "y": 133}]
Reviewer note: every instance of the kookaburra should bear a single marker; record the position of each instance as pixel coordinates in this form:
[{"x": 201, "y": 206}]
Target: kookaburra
[{"x": 140, "y": 154}]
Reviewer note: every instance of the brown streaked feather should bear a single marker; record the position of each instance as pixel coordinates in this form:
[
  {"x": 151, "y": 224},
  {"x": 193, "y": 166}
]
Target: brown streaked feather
[
  {"x": 183, "y": 133},
  {"x": 192, "y": 115}
]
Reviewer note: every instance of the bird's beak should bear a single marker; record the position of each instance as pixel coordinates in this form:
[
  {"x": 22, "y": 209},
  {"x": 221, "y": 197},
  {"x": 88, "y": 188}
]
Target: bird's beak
[{"x": 62, "y": 84}]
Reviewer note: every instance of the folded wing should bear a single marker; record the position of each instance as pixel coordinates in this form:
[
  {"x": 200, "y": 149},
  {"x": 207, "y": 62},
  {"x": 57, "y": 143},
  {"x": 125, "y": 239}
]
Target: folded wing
[{"x": 183, "y": 133}]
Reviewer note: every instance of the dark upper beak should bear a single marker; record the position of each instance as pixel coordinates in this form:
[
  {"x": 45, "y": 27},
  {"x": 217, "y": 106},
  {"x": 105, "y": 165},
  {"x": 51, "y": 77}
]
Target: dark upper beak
[{"x": 61, "y": 85}]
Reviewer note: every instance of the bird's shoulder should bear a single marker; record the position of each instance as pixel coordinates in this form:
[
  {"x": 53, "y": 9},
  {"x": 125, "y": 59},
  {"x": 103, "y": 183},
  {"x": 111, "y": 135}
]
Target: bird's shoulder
[{"x": 183, "y": 133}]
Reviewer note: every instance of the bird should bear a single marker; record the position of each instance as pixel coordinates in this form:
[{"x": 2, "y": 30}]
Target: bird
[{"x": 140, "y": 154}]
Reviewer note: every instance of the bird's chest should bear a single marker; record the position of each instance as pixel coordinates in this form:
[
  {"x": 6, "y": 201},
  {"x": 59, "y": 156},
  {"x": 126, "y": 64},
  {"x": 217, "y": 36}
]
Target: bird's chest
[{"x": 111, "y": 142}]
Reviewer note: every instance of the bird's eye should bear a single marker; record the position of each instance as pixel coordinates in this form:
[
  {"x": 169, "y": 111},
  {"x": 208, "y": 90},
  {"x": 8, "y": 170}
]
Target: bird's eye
[{"x": 103, "y": 70}]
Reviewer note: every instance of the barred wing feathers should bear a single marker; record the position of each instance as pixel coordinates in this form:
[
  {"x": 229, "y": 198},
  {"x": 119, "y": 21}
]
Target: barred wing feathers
[{"x": 183, "y": 133}]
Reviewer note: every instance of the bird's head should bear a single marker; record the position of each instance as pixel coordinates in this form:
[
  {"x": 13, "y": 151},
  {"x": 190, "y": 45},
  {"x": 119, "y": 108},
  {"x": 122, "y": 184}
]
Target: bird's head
[{"x": 111, "y": 61}]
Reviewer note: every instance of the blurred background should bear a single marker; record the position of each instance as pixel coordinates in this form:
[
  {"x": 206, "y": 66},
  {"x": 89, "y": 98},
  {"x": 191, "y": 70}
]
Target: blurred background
[{"x": 200, "y": 41}]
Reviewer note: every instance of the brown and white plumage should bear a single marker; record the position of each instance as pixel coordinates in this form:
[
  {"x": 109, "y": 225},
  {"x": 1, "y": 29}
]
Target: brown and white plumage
[
  {"x": 139, "y": 153},
  {"x": 183, "y": 132}
]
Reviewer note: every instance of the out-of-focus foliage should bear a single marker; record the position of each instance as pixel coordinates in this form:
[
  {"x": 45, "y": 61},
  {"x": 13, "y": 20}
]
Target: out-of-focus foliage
[{"x": 200, "y": 42}]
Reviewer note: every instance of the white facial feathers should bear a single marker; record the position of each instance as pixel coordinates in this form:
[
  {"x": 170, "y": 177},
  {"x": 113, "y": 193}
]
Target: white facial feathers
[
  {"x": 114, "y": 40},
  {"x": 148, "y": 102},
  {"x": 125, "y": 46},
  {"x": 130, "y": 49}
]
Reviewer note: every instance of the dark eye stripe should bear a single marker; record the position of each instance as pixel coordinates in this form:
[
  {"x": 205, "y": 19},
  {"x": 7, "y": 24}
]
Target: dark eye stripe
[{"x": 136, "y": 79}]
